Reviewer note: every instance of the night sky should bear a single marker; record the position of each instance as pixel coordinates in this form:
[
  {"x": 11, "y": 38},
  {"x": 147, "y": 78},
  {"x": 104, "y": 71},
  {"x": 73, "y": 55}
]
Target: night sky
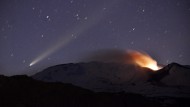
[{"x": 50, "y": 32}]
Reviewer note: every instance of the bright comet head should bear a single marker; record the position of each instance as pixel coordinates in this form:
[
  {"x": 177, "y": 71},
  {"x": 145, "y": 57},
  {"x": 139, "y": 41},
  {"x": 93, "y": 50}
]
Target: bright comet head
[{"x": 31, "y": 64}]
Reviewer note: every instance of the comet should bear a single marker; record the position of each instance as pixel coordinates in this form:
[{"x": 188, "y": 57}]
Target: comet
[
  {"x": 51, "y": 50},
  {"x": 31, "y": 64},
  {"x": 95, "y": 18},
  {"x": 144, "y": 60}
]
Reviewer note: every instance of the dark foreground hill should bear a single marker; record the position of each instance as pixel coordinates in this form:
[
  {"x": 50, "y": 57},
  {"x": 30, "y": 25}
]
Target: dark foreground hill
[{"x": 23, "y": 91}]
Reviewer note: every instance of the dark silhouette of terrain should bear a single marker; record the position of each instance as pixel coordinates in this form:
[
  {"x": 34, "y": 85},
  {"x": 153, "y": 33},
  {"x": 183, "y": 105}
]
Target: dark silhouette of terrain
[{"x": 23, "y": 91}]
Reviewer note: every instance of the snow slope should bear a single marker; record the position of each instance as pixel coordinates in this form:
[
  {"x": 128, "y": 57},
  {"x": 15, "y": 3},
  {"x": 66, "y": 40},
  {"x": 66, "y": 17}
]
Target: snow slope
[{"x": 172, "y": 80}]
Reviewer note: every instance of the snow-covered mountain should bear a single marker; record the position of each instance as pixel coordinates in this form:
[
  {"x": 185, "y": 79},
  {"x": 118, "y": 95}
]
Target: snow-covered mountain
[{"x": 172, "y": 80}]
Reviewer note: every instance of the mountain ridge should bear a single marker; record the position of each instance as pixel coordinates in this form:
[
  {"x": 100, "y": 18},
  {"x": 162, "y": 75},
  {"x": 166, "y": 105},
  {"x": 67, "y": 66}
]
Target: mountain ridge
[{"x": 116, "y": 77}]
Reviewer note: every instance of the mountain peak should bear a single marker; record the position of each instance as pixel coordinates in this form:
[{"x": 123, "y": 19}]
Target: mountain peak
[
  {"x": 174, "y": 74},
  {"x": 170, "y": 69},
  {"x": 174, "y": 64}
]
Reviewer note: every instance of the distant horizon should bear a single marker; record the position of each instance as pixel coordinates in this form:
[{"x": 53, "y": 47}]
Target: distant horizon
[{"x": 37, "y": 70}]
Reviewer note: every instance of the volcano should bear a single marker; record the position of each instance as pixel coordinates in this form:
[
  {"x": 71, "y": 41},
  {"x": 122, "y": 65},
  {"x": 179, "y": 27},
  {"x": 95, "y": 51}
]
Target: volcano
[
  {"x": 98, "y": 84},
  {"x": 172, "y": 80}
]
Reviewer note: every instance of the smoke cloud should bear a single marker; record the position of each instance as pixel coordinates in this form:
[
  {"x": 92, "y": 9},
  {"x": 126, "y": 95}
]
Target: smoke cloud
[{"x": 126, "y": 57}]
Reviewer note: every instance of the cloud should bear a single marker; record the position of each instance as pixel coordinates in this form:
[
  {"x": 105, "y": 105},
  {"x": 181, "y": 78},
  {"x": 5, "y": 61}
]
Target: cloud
[{"x": 139, "y": 58}]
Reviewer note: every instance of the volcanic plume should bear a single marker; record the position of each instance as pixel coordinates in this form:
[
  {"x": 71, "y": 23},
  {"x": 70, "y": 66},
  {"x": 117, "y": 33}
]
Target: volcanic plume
[
  {"x": 142, "y": 59},
  {"x": 133, "y": 57}
]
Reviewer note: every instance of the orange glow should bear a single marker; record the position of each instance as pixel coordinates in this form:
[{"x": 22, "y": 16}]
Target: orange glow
[{"x": 143, "y": 60}]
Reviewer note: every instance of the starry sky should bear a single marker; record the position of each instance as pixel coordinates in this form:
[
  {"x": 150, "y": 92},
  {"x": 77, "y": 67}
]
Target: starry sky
[{"x": 53, "y": 32}]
